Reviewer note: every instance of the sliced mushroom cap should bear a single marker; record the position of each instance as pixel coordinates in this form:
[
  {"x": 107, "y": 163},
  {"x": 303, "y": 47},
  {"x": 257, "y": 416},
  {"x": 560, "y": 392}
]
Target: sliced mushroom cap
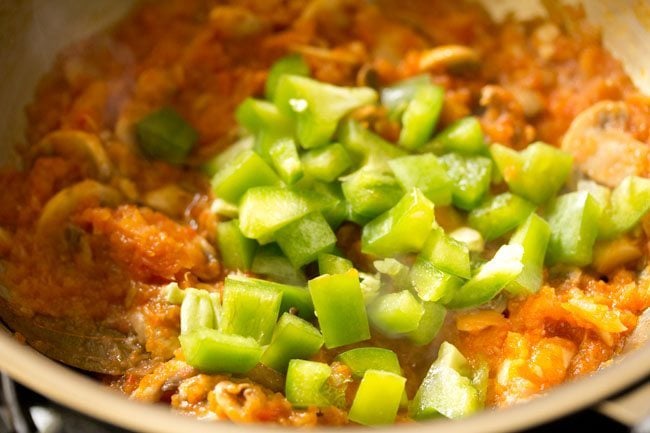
[
  {"x": 53, "y": 221},
  {"x": 453, "y": 58},
  {"x": 170, "y": 199},
  {"x": 76, "y": 144},
  {"x": 601, "y": 146}
]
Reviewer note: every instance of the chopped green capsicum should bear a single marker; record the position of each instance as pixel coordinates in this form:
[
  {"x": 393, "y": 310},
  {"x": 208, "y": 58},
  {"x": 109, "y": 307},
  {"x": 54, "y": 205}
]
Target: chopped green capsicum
[
  {"x": 335, "y": 297},
  {"x": 212, "y": 351},
  {"x": 500, "y": 214},
  {"x": 303, "y": 240},
  {"x": 396, "y": 313},
  {"x": 424, "y": 172},
  {"x": 470, "y": 178},
  {"x": 246, "y": 171},
  {"x": 165, "y": 135},
  {"x": 401, "y": 229},
  {"x": 317, "y": 107},
  {"x": 293, "y": 338},
  {"x": 378, "y": 398},
  {"x": 533, "y": 236}
]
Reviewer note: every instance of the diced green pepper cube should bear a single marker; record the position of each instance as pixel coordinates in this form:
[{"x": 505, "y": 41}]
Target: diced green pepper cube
[
  {"x": 370, "y": 193},
  {"x": 250, "y": 308},
  {"x": 600, "y": 193},
  {"x": 264, "y": 210},
  {"x": 165, "y": 135},
  {"x": 270, "y": 262},
  {"x": 326, "y": 197},
  {"x": 445, "y": 390},
  {"x": 447, "y": 254},
  {"x": 500, "y": 214},
  {"x": 363, "y": 359},
  {"x": 401, "y": 229},
  {"x": 302, "y": 241},
  {"x": 491, "y": 278},
  {"x": 629, "y": 202},
  {"x": 537, "y": 173},
  {"x": 424, "y": 172},
  {"x": 397, "y": 96},
  {"x": 450, "y": 356},
  {"x": 335, "y": 297},
  {"x": 430, "y": 324},
  {"x": 432, "y": 284},
  {"x": 305, "y": 382},
  {"x": 480, "y": 380},
  {"x": 470, "y": 178},
  {"x": 237, "y": 251},
  {"x": 331, "y": 264},
  {"x": 378, "y": 398},
  {"x": 292, "y": 64},
  {"x": 573, "y": 219},
  {"x": 421, "y": 116},
  {"x": 214, "y": 352},
  {"x": 293, "y": 338},
  {"x": 396, "y": 313},
  {"x": 370, "y": 149},
  {"x": 327, "y": 163},
  {"x": 196, "y": 311},
  {"x": 463, "y": 136},
  {"x": 224, "y": 158},
  {"x": 286, "y": 161},
  {"x": 173, "y": 293},
  {"x": 246, "y": 171},
  {"x": 317, "y": 107},
  {"x": 533, "y": 237},
  {"x": 256, "y": 115},
  {"x": 295, "y": 299}
]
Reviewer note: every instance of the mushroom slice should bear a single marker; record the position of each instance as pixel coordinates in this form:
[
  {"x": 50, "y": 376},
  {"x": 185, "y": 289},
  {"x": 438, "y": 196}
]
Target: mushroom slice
[
  {"x": 601, "y": 146},
  {"x": 76, "y": 144},
  {"x": 454, "y": 58},
  {"x": 170, "y": 199},
  {"x": 57, "y": 211}
]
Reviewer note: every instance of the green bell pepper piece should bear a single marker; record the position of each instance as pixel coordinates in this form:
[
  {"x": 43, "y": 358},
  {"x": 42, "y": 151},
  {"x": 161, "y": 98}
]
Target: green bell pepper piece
[
  {"x": 165, "y": 135},
  {"x": 366, "y": 148},
  {"x": 293, "y": 64},
  {"x": 370, "y": 193},
  {"x": 470, "y": 178},
  {"x": 331, "y": 264},
  {"x": 327, "y": 163},
  {"x": 537, "y": 173},
  {"x": 336, "y": 297},
  {"x": 492, "y": 277},
  {"x": 246, "y": 171},
  {"x": 173, "y": 293},
  {"x": 256, "y": 115},
  {"x": 286, "y": 161},
  {"x": 270, "y": 262},
  {"x": 447, "y": 254},
  {"x": 397, "y": 96},
  {"x": 600, "y": 193},
  {"x": 421, "y": 116},
  {"x": 317, "y": 107},
  {"x": 432, "y": 284},
  {"x": 224, "y": 158},
  {"x": 401, "y": 229},
  {"x": 237, "y": 251},
  {"x": 533, "y": 236},
  {"x": 424, "y": 172},
  {"x": 378, "y": 398},
  {"x": 295, "y": 299},
  {"x": 293, "y": 338},
  {"x": 445, "y": 390},
  {"x": 463, "y": 136},
  {"x": 214, "y": 352},
  {"x": 302, "y": 241},
  {"x": 305, "y": 383},
  {"x": 430, "y": 324},
  {"x": 363, "y": 359},
  {"x": 396, "y": 313},
  {"x": 480, "y": 379},
  {"x": 264, "y": 210},
  {"x": 197, "y": 311},
  {"x": 326, "y": 197},
  {"x": 573, "y": 220},
  {"x": 500, "y": 214},
  {"x": 629, "y": 202},
  {"x": 250, "y": 308}
]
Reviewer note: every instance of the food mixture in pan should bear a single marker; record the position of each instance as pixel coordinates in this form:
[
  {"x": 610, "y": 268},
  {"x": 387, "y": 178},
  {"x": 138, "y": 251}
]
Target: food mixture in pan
[{"x": 332, "y": 212}]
